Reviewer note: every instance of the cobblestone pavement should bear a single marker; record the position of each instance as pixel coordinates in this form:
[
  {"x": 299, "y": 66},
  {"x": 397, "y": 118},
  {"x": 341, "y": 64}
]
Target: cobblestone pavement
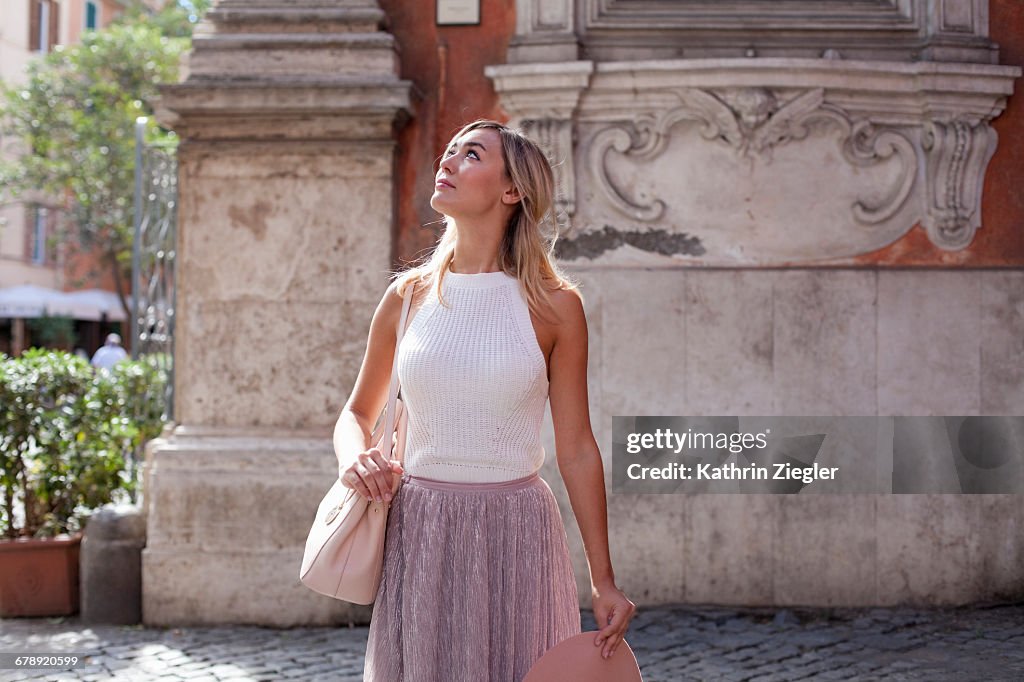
[{"x": 671, "y": 643}]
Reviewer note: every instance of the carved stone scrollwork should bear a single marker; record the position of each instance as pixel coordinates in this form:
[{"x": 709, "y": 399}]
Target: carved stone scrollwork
[
  {"x": 751, "y": 121},
  {"x": 865, "y": 145},
  {"x": 556, "y": 139},
  {"x": 644, "y": 143},
  {"x": 546, "y": 114},
  {"x": 761, "y": 161},
  {"x": 958, "y": 152}
]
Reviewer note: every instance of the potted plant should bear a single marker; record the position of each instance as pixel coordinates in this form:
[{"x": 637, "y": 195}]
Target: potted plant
[{"x": 68, "y": 437}]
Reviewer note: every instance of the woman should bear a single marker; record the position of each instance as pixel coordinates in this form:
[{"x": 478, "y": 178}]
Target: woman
[{"x": 477, "y": 580}]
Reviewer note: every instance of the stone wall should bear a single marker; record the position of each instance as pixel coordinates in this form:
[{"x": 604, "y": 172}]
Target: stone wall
[
  {"x": 288, "y": 112},
  {"x": 808, "y": 342},
  {"x": 734, "y": 197}
]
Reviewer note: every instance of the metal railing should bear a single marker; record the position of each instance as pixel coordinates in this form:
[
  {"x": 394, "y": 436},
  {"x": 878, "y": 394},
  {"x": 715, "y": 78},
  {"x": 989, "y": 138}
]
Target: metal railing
[{"x": 154, "y": 254}]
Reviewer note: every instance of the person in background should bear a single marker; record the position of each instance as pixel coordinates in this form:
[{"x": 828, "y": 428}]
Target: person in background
[{"x": 109, "y": 354}]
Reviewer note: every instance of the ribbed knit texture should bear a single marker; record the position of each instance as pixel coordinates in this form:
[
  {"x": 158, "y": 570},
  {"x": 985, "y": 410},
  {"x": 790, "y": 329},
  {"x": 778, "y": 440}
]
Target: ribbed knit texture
[{"x": 474, "y": 382}]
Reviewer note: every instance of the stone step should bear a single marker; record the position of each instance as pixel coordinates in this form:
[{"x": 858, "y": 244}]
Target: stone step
[{"x": 328, "y": 19}]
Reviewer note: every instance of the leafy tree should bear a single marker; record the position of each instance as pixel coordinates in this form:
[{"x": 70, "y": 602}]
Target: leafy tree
[{"x": 74, "y": 119}]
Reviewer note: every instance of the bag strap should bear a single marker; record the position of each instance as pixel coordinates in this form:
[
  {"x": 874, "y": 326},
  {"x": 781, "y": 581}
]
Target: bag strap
[{"x": 389, "y": 416}]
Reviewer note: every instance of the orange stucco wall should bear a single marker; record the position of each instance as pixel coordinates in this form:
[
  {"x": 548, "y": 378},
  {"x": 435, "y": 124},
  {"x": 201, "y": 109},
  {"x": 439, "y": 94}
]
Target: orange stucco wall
[{"x": 446, "y": 64}]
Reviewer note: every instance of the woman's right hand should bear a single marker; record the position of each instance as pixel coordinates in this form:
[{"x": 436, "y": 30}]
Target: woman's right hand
[{"x": 372, "y": 475}]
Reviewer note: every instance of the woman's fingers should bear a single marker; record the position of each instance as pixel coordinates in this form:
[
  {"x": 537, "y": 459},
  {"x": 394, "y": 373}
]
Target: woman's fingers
[
  {"x": 611, "y": 636},
  {"x": 382, "y": 475},
  {"x": 611, "y": 645},
  {"x": 368, "y": 471},
  {"x": 366, "y": 477},
  {"x": 352, "y": 480}
]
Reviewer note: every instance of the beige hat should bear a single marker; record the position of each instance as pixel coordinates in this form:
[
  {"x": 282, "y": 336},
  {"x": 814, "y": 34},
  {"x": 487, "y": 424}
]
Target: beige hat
[{"x": 576, "y": 659}]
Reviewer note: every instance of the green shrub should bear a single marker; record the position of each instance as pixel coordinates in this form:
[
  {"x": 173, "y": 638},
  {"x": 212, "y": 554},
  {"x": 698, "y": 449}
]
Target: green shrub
[{"x": 70, "y": 437}]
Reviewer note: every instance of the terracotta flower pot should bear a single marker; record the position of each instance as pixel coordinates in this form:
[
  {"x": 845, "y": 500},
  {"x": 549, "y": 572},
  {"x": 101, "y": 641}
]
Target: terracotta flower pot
[{"x": 39, "y": 577}]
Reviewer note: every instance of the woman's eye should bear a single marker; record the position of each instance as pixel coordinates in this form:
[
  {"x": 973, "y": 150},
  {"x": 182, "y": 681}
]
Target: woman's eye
[{"x": 452, "y": 151}]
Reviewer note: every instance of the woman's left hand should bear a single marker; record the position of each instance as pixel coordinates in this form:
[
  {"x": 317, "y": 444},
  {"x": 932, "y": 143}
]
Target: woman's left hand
[{"x": 612, "y": 612}]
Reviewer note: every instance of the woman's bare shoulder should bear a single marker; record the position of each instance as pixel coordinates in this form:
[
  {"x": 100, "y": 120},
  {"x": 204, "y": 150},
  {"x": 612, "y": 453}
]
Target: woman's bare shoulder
[
  {"x": 390, "y": 303},
  {"x": 567, "y": 305},
  {"x": 390, "y": 307}
]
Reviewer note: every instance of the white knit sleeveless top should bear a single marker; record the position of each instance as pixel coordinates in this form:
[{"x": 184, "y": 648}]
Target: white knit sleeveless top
[{"x": 474, "y": 381}]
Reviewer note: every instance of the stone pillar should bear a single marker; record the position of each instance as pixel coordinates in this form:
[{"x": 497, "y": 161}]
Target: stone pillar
[
  {"x": 287, "y": 112},
  {"x": 110, "y": 565}
]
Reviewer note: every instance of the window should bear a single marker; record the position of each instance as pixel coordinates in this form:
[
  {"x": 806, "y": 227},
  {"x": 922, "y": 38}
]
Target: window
[
  {"x": 42, "y": 25},
  {"x": 92, "y": 15},
  {"x": 39, "y": 236}
]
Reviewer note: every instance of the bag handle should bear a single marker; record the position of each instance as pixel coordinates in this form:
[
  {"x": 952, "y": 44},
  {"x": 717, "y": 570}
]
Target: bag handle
[{"x": 389, "y": 416}]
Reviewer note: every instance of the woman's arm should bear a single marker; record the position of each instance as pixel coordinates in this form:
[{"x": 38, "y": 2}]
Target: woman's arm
[
  {"x": 370, "y": 472},
  {"x": 579, "y": 462}
]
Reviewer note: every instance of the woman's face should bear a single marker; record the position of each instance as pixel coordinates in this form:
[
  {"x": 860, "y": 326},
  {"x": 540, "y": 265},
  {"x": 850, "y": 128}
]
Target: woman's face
[{"x": 470, "y": 180}]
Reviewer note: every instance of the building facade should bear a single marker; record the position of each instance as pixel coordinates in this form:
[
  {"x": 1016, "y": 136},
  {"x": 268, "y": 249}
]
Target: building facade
[
  {"x": 32, "y": 250},
  {"x": 810, "y": 208}
]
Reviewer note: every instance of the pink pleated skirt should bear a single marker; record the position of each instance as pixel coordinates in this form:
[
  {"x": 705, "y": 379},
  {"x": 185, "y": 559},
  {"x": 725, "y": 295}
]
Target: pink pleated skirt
[{"x": 477, "y": 583}]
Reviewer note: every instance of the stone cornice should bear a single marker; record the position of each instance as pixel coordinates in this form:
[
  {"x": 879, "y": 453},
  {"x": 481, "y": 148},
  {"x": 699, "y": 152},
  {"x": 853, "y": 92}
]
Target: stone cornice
[
  {"x": 900, "y": 91},
  {"x": 276, "y": 19},
  {"x": 325, "y": 68},
  {"x": 527, "y": 89},
  {"x": 336, "y": 108}
]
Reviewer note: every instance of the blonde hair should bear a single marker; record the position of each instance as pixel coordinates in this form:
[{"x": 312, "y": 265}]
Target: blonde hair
[{"x": 527, "y": 248}]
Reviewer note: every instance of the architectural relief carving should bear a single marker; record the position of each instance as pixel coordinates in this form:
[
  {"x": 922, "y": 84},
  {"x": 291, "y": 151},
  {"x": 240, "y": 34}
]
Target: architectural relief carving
[
  {"x": 555, "y": 138},
  {"x": 751, "y": 121},
  {"x": 866, "y": 145},
  {"x": 691, "y": 146},
  {"x": 545, "y": 111},
  {"x": 958, "y": 152}
]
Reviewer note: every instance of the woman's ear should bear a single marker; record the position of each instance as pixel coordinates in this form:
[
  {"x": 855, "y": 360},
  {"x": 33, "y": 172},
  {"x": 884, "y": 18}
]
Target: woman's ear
[{"x": 511, "y": 195}]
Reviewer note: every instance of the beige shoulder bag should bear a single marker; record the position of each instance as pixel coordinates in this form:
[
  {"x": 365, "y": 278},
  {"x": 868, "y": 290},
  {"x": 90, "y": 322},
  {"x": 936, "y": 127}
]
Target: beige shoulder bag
[{"x": 344, "y": 553}]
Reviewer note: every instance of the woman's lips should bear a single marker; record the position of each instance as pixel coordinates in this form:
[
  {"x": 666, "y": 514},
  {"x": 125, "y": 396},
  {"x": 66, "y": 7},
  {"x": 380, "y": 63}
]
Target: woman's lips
[{"x": 444, "y": 183}]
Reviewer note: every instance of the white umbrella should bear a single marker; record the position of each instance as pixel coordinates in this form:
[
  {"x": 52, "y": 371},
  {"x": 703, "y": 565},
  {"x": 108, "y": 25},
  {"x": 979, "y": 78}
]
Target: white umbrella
[
  {"x": 29, "y": 300},
  {"x": 90, "y": 304}
]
